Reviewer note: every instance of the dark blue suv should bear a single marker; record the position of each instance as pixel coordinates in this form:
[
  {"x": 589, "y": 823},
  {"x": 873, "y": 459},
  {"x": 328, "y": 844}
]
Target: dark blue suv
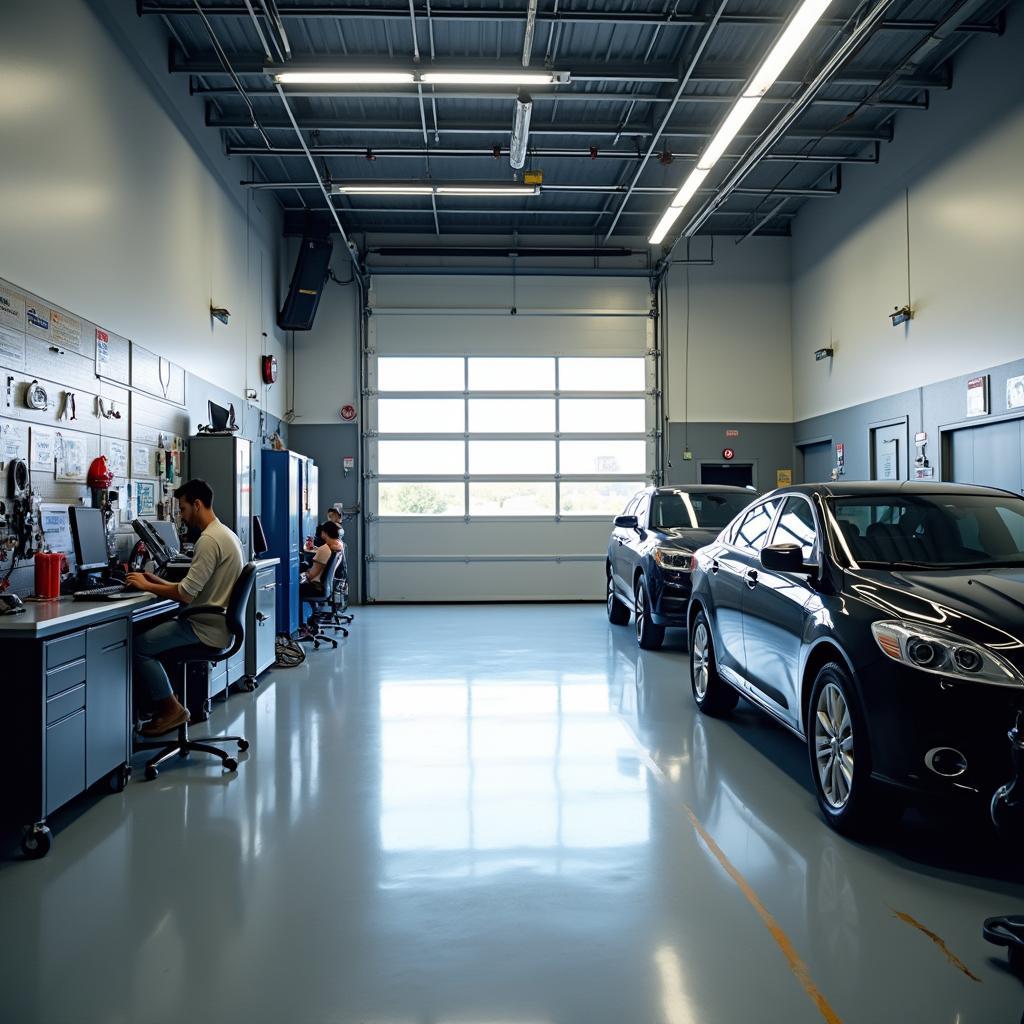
[{"x": 648, "y": 567}]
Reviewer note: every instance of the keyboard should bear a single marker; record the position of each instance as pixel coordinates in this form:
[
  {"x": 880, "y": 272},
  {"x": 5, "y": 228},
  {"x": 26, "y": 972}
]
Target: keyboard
[{"x": 104, "y": 593}]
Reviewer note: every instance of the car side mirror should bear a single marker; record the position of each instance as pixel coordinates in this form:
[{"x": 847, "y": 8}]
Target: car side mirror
[
  {"x": 627, "y": 523},
  {"x": 786, "y": 558}
]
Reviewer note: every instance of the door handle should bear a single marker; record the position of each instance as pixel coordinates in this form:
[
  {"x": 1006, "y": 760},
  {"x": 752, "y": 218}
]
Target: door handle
[
  {"x": 714, "y": 566},
  {"x": 751, "y": 578}
]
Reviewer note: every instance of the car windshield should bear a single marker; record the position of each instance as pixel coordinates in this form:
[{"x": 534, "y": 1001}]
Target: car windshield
[
  {"x": 707, "y": 510},
  {"x": 932, "y": 531}
]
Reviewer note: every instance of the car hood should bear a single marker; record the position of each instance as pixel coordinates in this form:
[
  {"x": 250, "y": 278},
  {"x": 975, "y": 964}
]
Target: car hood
[
  {"x": 986, "y": 605},
  {"x": 685, "y": 538}
]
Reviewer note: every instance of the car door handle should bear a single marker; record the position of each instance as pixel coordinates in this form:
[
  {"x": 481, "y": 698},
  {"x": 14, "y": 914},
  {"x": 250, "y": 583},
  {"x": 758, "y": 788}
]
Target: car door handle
[{"x": 751, "y": 578}]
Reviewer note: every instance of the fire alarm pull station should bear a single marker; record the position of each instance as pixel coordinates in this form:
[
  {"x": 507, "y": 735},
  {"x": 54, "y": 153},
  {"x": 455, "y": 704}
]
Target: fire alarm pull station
[{"x": 348, "y": 464}]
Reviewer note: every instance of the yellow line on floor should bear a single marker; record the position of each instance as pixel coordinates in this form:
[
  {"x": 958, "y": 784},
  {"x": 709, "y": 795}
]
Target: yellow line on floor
[
  {"x": 947, "y": 952},
  {"x": 797, "y": 966}
]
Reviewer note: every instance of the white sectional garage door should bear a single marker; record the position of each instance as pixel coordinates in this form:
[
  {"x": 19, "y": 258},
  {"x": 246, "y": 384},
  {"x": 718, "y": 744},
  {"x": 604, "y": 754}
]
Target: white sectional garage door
[{"x": 499, "y": 447}]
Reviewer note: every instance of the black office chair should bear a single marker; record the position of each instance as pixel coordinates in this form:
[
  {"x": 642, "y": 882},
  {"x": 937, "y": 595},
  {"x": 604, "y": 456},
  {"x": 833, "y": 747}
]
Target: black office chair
[
  {"x": 337, "y": 617},
  {"x": 311, "y": 631},
  {"x": 177, "y": 661}
]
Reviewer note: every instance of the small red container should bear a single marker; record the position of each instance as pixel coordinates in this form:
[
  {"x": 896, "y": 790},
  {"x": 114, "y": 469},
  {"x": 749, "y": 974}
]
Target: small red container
[{"x": 48, "y": 568}]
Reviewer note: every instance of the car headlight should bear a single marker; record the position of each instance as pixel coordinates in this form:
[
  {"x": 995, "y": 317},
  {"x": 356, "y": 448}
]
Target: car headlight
[
  {"x": 677, "y": 559},
  {"x": 941, "y": 653}
]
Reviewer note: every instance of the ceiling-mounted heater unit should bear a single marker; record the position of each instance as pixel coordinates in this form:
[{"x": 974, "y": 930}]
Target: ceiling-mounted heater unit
[{"x": 520, "y": 131}]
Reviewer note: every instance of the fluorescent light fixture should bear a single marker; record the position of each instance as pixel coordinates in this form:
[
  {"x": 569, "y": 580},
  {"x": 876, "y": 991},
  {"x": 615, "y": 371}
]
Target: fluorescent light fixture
[
  {"x": 412, "y": 188},
  {"x": 788, "y": 43},
  {"x": 487, "y": 190},
  {"x": 311, "y": 77},
  {"x": 493, "y": 77},
  {"x": 369, "y": 188},
  {"x": 806, "y": 17},
  {"x": 728, "y": 130},
  {"x": 671, "y": 215},
  {"x": 689, "y": 189}
]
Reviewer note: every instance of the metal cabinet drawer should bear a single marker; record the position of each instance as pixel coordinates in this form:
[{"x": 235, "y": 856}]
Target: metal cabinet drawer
[
  {"x": 62, "y": 679},
  {"x": 65, "y": 760},
  {"x": 65, "y": 649},
  {"x": 110, "y": 634},
  {"x": 64, "y": 704}
]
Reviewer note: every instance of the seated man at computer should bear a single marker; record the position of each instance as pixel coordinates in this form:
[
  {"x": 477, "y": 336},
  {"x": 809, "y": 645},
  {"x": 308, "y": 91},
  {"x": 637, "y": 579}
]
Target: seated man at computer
[{"x": 216, "y": 565}]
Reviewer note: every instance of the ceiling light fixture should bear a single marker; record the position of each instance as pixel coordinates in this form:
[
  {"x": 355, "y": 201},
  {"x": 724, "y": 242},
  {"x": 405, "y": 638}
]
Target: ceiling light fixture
[
  {"x": 494, "y": 77},
  {"x": 398, "y": 188},
  {"x": 806, "y": 17},
  {"x": 520, "y": 140},
  {"x": 322, "y": 77}
]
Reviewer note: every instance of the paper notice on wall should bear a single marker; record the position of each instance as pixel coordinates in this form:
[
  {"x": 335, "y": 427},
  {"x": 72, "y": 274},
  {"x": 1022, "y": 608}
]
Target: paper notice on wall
[
  {"x": 145, "y": 498},
  {"x": 1015, "y": 393},
  {"x": 13, "y": 441},
  {"x": 43, "y": 450},
  {"x": 65, "y": 330},
  {"x": 56, "y": 527},
  {"x": 113, "y": 356},
  {"x": 117, "y": 456},
  {"x": 12, "y": 348},
  {"x": 37, "y": 321},
  {"x": 142, "y": 460},
  {"x": 12, "y": 309},
  {"x": 72, "y": 458}
]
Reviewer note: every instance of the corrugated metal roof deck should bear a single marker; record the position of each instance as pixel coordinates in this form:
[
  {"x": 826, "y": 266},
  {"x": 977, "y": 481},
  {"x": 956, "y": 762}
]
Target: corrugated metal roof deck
[{"x": 587, "y": 136}]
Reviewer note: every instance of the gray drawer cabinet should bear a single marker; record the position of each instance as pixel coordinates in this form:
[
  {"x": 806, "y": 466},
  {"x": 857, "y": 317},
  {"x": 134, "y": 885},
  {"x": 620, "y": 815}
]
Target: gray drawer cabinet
[
  {"x": 71, "y": 699},
  {"x": 261, "y": 625}
]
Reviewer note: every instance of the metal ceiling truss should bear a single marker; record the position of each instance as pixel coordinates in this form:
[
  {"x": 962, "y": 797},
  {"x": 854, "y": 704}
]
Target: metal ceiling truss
[{"x": 838, "y": 114}]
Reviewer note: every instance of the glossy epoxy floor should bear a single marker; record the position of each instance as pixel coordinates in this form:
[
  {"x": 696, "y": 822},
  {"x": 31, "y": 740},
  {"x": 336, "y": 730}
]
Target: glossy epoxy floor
[{"x": 496, "y": 815}]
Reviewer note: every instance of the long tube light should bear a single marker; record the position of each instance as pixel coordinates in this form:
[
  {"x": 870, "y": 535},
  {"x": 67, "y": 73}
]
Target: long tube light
[
  {"x": 370, "y": 76},
  {"x": 799, "y": 26},
  {"x": 399, "y": 188}
]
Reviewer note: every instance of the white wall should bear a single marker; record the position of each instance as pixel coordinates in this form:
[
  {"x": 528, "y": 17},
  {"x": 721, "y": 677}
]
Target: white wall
[
  {"x": 960, "y": 163},
  {"x": 739, "y": 336},
  {"x": 108, "y": 209}
]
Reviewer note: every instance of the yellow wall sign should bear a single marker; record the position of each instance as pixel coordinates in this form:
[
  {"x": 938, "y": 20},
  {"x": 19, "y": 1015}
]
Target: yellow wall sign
[{"x": 783, "y": 477}]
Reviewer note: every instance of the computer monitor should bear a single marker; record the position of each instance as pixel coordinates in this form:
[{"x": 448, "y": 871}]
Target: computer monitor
[
  {"x": 218, "y": 416},
  {"x": 153, "y": 540},
  {"x": 89, "y": 536},
  {"x": 166, "y": 531}
]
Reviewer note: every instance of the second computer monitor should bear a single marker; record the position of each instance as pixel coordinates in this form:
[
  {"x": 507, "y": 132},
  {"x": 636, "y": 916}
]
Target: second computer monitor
[{"x": 167, "y": 532}]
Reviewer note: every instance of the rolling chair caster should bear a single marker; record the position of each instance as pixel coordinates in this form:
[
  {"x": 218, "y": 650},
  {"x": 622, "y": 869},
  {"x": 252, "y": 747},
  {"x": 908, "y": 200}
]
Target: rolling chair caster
[
  {"x": 243, "y": 744},
  {"x": 231, "y": 764},
  {"x": 152, "y": 771},
  {"x": 36, "y": 841}
]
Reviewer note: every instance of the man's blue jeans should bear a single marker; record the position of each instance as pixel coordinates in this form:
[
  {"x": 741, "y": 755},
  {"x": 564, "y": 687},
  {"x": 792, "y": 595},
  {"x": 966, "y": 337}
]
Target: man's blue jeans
[{"x": 150, "y": 676}]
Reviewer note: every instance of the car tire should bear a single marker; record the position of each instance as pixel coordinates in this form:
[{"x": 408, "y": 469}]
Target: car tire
[
  {"x": 618, "y": 613},
  {"x": 711, "y": 693},
  {"x": 649, "y": 635},
  {"x": 839, "y": 752}
]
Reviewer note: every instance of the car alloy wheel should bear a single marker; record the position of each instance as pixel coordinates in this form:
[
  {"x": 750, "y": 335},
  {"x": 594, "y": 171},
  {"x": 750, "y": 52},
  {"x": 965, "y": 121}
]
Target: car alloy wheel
[
  {"x": 833, "y": 746},
  {"x": 699, "y": 661},
  {"x": 639, "y": 613}
]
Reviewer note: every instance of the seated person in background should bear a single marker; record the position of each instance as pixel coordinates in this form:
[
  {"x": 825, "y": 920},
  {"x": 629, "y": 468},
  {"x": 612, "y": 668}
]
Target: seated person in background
[
  {"x": 216, "y": 565},
  {"x": 311, "y": 583},
  {"x": 333, "y": 516}
]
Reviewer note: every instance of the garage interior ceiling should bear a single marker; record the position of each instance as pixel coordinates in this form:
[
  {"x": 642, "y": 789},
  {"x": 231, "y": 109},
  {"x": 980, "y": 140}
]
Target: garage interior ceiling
[{"x": 650, "y": 82}]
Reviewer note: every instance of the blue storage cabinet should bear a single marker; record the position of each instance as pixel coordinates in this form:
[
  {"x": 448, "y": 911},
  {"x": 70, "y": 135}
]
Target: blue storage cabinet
[{"x": 282, "y": 522}]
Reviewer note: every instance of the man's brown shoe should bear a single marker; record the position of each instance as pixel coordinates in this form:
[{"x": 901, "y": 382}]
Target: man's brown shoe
[{"x": 166, "y": 723}]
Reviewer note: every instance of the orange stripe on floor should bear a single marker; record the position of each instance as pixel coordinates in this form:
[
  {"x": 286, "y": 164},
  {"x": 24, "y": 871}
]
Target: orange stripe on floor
[
  {"x": 797, "y": 966},
  {"x": 946, "y": 951}
]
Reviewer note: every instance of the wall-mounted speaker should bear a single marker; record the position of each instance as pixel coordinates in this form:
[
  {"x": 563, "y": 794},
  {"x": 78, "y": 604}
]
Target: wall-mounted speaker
[{"x": 311, "y": 270}]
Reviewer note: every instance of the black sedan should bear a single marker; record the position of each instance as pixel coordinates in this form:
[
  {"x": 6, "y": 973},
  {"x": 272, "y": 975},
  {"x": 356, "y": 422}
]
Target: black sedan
[
  {"x": 650, "y": 550},
  {"x": 881, "y": 623}
]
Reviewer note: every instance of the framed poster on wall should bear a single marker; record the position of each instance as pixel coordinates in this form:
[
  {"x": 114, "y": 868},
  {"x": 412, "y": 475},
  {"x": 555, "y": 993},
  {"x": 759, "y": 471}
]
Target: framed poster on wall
[{"x": 977, "y": 396}]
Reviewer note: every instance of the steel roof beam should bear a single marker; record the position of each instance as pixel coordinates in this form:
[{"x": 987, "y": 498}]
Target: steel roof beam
[
  {"x": 578, "y": 17},
  {"x": 537, "y": 97},
  {"x": 538, "y": 152},
  {"x": 593, "y": 131},
  {"x": 581, "y": 71}
]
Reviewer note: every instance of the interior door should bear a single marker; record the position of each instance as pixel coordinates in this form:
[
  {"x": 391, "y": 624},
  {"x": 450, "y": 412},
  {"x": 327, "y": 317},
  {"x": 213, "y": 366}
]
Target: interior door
[
  {"x": 818, "y": 461},
  {"x": 991, "y": 454}
]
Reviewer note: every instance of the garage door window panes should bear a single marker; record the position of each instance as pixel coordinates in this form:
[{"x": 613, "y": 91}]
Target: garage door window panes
[{"x": 538, "y": 437}]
